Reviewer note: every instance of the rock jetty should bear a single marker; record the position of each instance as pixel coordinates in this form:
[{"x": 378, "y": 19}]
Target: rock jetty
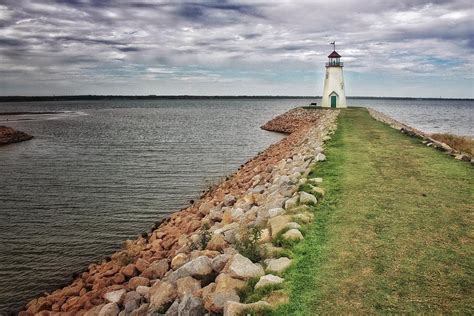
[
  {"x": 8, "y": 136},
  {"x": 199, "y": 259}
]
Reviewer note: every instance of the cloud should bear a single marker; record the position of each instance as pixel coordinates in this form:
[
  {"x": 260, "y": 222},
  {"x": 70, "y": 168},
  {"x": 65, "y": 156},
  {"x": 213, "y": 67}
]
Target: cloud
[{"x": 267, "y": 44}]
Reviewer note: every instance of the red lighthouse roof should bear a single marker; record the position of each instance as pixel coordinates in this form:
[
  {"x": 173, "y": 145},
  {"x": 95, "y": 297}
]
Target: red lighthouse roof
[{"x": 334, "y": 54}]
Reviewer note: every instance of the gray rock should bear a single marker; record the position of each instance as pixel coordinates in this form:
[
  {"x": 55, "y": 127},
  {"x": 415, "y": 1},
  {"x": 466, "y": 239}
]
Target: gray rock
[
  {"x": 276, "y": 211},
  {"x": 115, "y": 296},
  {"x": 132, "y": 301},
  {"x": 267, "y": 280},
  {"x": 293, "y": 234},
  {"x": 291, "y": 202},
  {"x": 226, "y": 228},
  {"x": 173, "y": 310},
  {"x": 110, "y": 309},
  {"x": 198, "y": 268},
  {"x": 306, "y": 198},
  {"x": 161, "y": 294},
  {"x": 191, "y": 306},
  {"x": 219, "y": 262},
  {"x": 294, "y": 225},
  {"x": 143, "y": 291},
  {"x": 216, "y": 214},
  {"x": 278, "y": 265},
  {"x": 241, "y": 267},
  {"x": 215, "y": 301},
  {"x": 229, "y": 200},
  {"x": 258, "y": 189},
  {"x": 320, "y": 157}
]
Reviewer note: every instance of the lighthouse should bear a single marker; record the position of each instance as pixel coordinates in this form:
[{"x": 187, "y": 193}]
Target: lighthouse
[{"x": 333, "y": 93}]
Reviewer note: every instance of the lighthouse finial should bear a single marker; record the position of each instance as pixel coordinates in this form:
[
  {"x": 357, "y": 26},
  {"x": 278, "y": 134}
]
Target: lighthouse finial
[{"x": 333, "y": 45}]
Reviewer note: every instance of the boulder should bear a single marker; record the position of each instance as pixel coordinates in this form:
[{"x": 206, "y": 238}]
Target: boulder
[
  {"x": 141, "y": 265},
  {"x": 214, "y": 302},
  {"x": 217, "y": 243},
  {"x": 291, "y": 202},
  {"x": 187, "y": 285},
  {"x": 226, "y": 228},
  {"x": 110, "y": 309},
  {"x": 157, "y": 269},
  {"x": 320, "y": 157},
  {"x": 138, "y": 281},
  {"x": 161, "y": 294},
  {"x": 143, "y": 291},
  {"x": 191, "y": 306},
  {"x": 278, "y": 265},
  {"x": 318, "y": 192},
  {"x": 306, "y": 198},
  {"x": 241, "y": 267},
  {"x": 115, "y": 296},
  {"x": 229, "y": 200},
  {"x": 205, "y": 208},
  {"x": 275, "y": 212},
  {"x": 129, "y": 270},
  {"x": 265, "y": 236},
  {"x": 235, "y": 308},
  {"x": 315, "y": 180},
  {"x": 278, "y": 223},
  {"x": 219, "y": 262},
  {"x": 140, "y": 311},
  {"x": 225, "y": 282},
  {"x": 173, "y": 310},
  {"x": 293, "y": 234},
  {"x": 131, "y": 301},
  {"x": 216, "y": 214},
  {"x": 198, "y": 268},
  {"x": 294, "y": 225},
  {"x": 268, "y": 280},
  {"x": 179, "y": 260}
]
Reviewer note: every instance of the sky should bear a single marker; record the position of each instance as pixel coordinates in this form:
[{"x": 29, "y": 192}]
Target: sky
[{"x": 407, "y": 48}]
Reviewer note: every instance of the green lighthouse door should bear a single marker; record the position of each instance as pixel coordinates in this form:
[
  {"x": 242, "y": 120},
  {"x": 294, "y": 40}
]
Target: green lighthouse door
[{"x": 333, "y": 101}]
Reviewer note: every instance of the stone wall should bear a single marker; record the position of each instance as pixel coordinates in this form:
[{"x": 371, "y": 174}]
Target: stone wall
[{"x": 197, "y": 260}]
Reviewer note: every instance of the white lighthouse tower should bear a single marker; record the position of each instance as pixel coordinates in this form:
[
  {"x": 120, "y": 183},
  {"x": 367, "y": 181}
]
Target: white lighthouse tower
[{"x": 333, "y": 93}]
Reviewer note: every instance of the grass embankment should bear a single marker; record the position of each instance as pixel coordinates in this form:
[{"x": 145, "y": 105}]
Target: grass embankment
[
  {"x": 461, "y": 143},
  {"x": 393, "y": 233}
]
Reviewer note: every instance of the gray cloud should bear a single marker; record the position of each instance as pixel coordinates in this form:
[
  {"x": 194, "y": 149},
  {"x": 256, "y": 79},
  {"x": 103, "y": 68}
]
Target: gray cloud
[{"x": 229, "y": 42}]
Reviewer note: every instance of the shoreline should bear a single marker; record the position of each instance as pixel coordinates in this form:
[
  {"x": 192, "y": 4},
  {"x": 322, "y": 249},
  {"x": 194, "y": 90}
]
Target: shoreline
[
  {"x": 154, "y": 255},
  {"x": 195, "y": 257},
  {"x": 9, "y": 135}
]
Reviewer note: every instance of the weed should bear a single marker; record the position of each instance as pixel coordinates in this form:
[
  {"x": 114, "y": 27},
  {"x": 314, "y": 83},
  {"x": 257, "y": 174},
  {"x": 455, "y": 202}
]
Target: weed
[{"x": 247, "y": 243}]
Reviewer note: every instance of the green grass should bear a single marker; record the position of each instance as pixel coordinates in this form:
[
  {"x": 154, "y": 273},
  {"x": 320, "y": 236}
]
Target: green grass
[{"x": 393, "y": 233}]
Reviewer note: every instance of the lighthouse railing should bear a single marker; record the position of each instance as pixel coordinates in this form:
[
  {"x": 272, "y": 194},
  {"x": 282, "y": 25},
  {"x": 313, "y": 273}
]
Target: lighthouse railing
[{"x": 335, "y": 64}]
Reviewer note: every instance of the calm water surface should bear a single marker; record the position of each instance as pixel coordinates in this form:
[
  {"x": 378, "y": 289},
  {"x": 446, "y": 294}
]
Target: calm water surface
[{"x": 105, "y": 171}]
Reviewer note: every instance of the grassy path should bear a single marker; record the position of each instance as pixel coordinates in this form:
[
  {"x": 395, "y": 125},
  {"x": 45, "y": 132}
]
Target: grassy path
[{"x": 394, "y": 232}]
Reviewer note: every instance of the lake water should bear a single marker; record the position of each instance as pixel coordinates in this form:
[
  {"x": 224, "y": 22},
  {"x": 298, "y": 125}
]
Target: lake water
[{"x": 105, "y": 171}]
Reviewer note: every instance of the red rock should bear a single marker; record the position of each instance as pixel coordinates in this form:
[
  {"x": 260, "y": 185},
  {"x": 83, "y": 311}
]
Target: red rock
[
  {"x": 137, "y": 281},
  {"x": 119, "y": 278},
  {"x": 193, "y": 226},
  {"x": 114, "y": 268},
  {"x": 129, "y": 271},
  {"x": 141, "y": 265},
  {"x": 74, "y": 289}
]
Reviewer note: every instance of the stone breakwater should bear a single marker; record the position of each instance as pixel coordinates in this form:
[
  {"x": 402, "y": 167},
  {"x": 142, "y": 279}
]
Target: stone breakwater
[
  {"x": 199, "y": 259},
  {"x": 8, "y": 136},
  {"x": 426, "y": 138}
]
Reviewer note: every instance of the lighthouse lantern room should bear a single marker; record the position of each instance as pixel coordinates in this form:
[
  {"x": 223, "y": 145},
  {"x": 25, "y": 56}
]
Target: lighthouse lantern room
[{"x": 334, "y": 95}]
